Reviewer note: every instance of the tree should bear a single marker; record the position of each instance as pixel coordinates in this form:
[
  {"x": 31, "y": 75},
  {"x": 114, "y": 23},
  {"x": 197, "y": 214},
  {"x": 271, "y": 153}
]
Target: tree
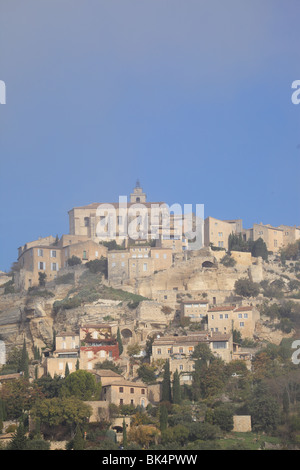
[
  {"x": 42, "y": 279},
  {"x": 19, "y": 439},
  {"x": 176, "y": 388},
  {"x": 78, "y": 441},
  {"x": 163, "y": 417},
  {"x": 81, "y": 384},
  {"x": 246, "y": 288},
  {"x": 124, "y": 433},
  {"x": 166, "y": 383},
  {"x": 67, "y": 370},
  {"x": 143, "y": 435},
  {"x": 98, "y": 266},
  {"x": 119, "y": 339},
  {"x": 223, "y": 417},
  {"x": 133, "y": 349},
  {"x": 74, "y": 261},
  {"x": 264, "y": 410},
  {"x": 258, "y": 248},
  {"x": 146, "y": 373},
  {"x": 228, "y": 261},
  {"x": 236, "y": 243},
  {"x": 24, "y": 363},
  {"x": 69, "y": 411}
]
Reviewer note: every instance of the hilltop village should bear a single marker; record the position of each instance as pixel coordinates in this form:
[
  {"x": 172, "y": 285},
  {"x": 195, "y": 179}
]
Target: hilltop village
[{"x": 123, "y": 307}]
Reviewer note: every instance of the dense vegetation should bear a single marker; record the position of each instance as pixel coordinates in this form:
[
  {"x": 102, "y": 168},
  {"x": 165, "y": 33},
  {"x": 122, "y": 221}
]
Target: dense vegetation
[{"x": 191, "y": 417}]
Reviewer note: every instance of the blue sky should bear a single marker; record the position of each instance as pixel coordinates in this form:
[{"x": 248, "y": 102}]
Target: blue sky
[{"x": 192, "y": 97}]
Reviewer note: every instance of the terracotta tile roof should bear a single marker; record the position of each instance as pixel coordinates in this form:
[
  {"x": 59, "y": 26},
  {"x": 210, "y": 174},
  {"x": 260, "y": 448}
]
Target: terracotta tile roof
[
  {"x": 221, "y": 309},
  {"x": 126, "y": 383},
  {"x": 107, "y": 373},
  {"x": 244, "y": 309}
]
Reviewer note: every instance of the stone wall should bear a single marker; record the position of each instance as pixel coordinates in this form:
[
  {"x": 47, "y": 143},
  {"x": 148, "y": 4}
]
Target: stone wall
[{"x": 242, "y": 423}]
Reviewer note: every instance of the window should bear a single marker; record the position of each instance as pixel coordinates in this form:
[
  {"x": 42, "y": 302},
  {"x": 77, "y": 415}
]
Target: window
[
  {"x": 96, "y": 254},
  {"x": 53, "y": 253},
  {"x": 53, "y": 266},
  {"x": 121, "y": 401},
  {"x": 245, "y": 315},
  {"x": 240, "y": 315},
  {"x": 145, "y": 267},
  {"x": 121, "y": 389},
  {"x": 122, "y": 264},
  {"x": 156, "y": 255},
  {"x": 41, "y": 265},
  {"x": 40, "y": 252},
  {"x": 113, "y": 265},
  {"x": 221, "y": 316},
  {"x": 220, "y": 234},
  {"x": 169, "y": 350},
  {"x": 90, "y": 354},
  {"x": 242, "y": 324},
  {"x": 220, "y": 244},
  {"x": 165, "y": 256},
  {"x": 226, "y": 315},
  {"x": 219, "y": 344},
  {"x": 86, "y": 222},
  {"x": 159, "y": 351},
  {"x": 143, "y": 391},
  {"x": 84, "y": 255},
  {"x": 275, "y": 243},
  {"x": 132, "y": 390}
]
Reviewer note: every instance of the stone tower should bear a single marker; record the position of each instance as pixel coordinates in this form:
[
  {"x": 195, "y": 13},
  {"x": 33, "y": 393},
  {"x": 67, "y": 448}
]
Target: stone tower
[{"x": 138, "y": 196}]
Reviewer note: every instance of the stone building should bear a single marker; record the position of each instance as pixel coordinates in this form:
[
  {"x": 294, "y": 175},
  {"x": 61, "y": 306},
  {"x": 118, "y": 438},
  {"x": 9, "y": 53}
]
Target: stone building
[
  {"x": 136, "y": 220},
  {"x": 224, "y": 319},
  {"x": 138, "y": 261},
  {"x": 124, "y": 392},
  {"x": 194, "y": 310},
  {"x": 181, "y": 347},
  {"x": 97, "y": 344},
  {"x": 48, "y": 255},
  {"x": 88, "y": 348},
  {"x": 216, "y": 232}
]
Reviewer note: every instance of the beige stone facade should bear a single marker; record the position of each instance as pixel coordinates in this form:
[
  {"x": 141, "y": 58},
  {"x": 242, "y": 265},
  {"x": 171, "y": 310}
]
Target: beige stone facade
[
  {"x": 242, "y": 423},
  {"x": 137, "y": 262},
  {"x": 194, "y": 310},
  {"x": 226, "y": 318},
  {"x": 125, "y": 392},
  {"x": 216, "y": 232},
  {"x": 181, "y": 347},
  {"x": 272, "y": 236},
  {"x": 125, "y": 221},
  {"x": 48, "y": 256}
]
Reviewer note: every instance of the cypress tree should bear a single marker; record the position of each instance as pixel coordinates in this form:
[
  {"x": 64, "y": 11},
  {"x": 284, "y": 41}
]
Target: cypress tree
[
  {"x": 119, "y": 339},
  {"x": 19, "y": 440},
  {"x": 163, "y": 417},
  {"x": 78, "y": 441},
  {"x": 24, "y": 363},
  {"x": 166, "y": 383},
  {"x": 67, "y": 370},
  {"x": 124, "y": 433},
  {"x": 176, "y": 388}
]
